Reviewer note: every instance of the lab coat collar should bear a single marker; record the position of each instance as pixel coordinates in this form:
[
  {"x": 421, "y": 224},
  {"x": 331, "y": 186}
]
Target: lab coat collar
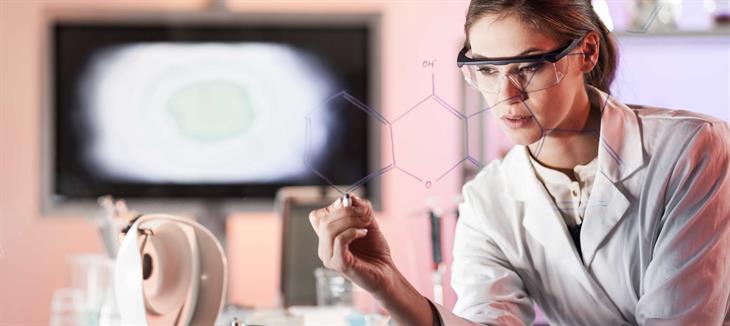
[
  {"x": 600, "y": 217},
  {"x": 620, "y": 151}
]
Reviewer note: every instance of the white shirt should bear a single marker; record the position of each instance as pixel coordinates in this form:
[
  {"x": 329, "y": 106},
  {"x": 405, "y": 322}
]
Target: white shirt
[
  {"x": 655, "y": 237},
  {"x": 570, "y": 197}
]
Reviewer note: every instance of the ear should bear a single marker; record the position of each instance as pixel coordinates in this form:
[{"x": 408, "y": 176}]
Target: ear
[{"x": 591, "y": 47}]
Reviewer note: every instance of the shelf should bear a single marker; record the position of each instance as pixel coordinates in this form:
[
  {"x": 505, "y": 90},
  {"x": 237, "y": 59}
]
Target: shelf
[{"x": 718, "y": 31}]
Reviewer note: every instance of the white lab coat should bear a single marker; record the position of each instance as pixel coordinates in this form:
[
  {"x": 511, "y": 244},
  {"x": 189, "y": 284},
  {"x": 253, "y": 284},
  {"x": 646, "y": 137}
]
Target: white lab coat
[{"x": 655, "y": 239}]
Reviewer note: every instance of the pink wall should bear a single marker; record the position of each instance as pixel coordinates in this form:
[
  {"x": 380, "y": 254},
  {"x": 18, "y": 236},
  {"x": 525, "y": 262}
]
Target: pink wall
[{"x": 33, "y": 247}]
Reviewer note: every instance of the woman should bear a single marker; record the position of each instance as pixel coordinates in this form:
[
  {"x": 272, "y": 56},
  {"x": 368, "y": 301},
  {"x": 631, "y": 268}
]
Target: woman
[{"x": 601, "y": 214}]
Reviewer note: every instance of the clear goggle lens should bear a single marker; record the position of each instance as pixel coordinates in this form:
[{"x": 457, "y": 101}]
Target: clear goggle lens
[{"x": 529, "y": 77}]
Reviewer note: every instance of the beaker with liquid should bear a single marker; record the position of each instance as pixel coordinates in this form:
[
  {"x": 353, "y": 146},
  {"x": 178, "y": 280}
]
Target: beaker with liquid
[{"x": 333, "y": 289}]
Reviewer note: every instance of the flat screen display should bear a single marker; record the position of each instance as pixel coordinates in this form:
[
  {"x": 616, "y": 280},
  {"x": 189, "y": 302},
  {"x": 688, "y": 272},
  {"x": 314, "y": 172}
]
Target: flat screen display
[{"x": 195, "y": 110}]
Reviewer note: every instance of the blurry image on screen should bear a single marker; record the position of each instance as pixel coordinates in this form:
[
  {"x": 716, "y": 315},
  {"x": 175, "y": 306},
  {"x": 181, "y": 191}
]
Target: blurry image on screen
[{"x": 202, "y": 113}]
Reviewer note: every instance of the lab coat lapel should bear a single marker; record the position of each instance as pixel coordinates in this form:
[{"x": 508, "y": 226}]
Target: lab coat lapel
[
  {"x": 542, "y": 220},
  {"x": 620, "y": 154},
  {"x": 620, "y": 151},
  {"x": 605, "y": 208}
]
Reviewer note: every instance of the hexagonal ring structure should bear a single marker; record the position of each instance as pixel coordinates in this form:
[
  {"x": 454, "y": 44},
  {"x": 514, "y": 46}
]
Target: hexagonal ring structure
[
  {"x": 413, "y": 164},
  {"x": 370, "y": 113}
]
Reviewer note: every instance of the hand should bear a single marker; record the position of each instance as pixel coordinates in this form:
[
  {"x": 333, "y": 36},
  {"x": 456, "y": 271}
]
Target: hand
[{"x": 351, "y": 243}]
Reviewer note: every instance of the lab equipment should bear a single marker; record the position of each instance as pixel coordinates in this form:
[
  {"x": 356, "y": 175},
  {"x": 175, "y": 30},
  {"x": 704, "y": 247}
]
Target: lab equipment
[
  {"x": 109, "y": 222},
  {"x": 92, "y": 275},
  {"x": 169, "y": 270},
  {"x": 299, "y": 242},
  {"x": 67, "y": 307},
  {"x": 333, "y": 289},
  {"x": 438, "y": 263}
]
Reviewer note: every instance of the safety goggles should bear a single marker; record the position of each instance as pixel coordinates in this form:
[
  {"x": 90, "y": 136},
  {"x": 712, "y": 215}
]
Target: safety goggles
[{"x": 530, "y": 73}]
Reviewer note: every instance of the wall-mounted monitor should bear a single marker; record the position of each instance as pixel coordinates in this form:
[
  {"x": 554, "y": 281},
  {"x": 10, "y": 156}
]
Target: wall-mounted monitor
[{"x": 209, "y": 106}]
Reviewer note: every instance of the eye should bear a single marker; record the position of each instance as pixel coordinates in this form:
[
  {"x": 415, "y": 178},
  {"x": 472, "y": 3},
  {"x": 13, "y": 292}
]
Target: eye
[
  {"x": 487, "y": 70},
  {"x": 531, "y": 68}
]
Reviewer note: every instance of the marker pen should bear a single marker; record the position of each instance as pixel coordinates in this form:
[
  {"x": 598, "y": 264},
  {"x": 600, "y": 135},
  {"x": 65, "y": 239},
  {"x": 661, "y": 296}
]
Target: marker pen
[{"x": 346, "y": 201}]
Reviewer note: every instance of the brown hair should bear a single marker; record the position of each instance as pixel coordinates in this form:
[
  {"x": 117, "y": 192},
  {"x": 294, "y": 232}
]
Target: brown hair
[{"x": 563, "y": 20}]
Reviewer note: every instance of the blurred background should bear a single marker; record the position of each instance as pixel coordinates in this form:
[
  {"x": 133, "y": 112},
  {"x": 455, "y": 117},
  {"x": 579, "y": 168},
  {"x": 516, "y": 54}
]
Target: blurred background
[{"x": 208, "y": 109}]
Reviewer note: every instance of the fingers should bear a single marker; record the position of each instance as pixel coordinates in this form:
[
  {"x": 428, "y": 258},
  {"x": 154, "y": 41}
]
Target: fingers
[
  {"x": 358, "y": 206},
  {"x": 336, "y": 223},
  {"x": 342, "y": 260},
  {"x": 317, "y": 215},
  {"x": 331, "y": 221},
  {"x": 343, "y": 219},
  {"x": 361, "y": 202}
]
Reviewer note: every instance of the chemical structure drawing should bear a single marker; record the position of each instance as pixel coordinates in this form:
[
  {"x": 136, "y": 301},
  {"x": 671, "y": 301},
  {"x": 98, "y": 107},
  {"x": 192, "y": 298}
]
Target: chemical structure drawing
[
  {"x": 401, "y": 137},
  {"x": 352, "y": 103},
  {"x": 406, "y": 133},
  {"x": 430, "y": 115}
]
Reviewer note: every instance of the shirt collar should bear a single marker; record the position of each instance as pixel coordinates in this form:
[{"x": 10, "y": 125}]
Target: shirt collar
[{"x": 548, "y": 175}]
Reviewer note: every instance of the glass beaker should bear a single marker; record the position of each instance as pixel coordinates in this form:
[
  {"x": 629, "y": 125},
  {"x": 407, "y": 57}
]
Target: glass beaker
[
  {"x": 333, "y": 289},
  {"x": 67, "y": 307},
  {"x": 92, "y": 275}
]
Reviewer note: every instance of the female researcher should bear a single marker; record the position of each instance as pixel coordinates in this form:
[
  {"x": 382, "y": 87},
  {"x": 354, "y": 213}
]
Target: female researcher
[{"x": 602, "y": 214}]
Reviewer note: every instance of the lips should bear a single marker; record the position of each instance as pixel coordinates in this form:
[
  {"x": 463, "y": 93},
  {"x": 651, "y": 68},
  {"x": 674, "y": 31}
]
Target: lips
[{"x": 517, "y": 121}]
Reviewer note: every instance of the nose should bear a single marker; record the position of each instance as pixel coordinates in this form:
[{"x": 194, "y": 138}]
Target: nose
[{"x": 512, "y": 90}]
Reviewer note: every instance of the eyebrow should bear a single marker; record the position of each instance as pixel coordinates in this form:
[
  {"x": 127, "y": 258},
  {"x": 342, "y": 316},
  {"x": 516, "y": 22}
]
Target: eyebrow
[{"x": 526, "y": 52}]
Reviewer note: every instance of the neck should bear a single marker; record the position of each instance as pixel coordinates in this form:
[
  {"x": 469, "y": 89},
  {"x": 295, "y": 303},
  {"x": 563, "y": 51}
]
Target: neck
[{"x": 575, "y": 143}]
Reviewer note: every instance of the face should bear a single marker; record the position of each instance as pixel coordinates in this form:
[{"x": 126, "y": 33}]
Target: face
[{"x": 528, "y": 116}]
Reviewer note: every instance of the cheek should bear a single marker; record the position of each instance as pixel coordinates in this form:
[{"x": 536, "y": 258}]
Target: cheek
[
  {"x": 550, "y": 106},
  {"x": 491, "y": 99}
]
